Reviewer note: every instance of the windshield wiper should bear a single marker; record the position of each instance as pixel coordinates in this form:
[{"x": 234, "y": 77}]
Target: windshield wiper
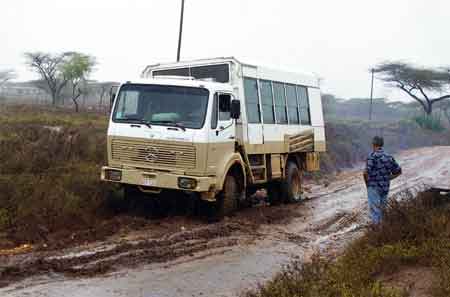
[
  {"x": 137, "y": 121},
  {"x": 170, "y": 123}
]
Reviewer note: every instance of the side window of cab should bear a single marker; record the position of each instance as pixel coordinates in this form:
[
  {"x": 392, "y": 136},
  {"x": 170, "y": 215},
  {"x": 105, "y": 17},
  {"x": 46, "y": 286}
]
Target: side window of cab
[
  {"x": 224, "y": 107},
  {"x": 221, "y": 110}
]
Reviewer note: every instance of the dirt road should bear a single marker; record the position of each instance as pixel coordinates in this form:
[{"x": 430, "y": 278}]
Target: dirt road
[{"x": 183, "y": 257}]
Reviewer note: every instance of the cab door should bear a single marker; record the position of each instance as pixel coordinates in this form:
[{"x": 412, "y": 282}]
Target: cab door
[{"x": 222, "y": 132}]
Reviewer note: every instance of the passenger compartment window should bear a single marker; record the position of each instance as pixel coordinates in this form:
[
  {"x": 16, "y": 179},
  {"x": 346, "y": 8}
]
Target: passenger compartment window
[
  {"x": 280, "y": 103},
  {"x": 219, "y": 72},
  {"x": 267, "y": 101},
  {"x": 292, "y": 104},
  {"x": 303, "y": 101},
  {"x": 252, "y": 101},
  {"x": 172, "y": 72}
]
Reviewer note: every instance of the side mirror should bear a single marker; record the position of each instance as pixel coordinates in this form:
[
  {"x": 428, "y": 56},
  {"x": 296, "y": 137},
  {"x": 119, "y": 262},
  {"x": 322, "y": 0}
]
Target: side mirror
[
  {"x": 235, "y": 111},
  {"x": 112, "y": 95},
  {"x": 111, "y": 100}
]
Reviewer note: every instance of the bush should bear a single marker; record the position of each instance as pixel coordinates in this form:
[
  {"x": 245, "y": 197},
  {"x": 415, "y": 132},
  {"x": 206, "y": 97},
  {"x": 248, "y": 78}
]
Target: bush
[
  {"x": 429, "y": 122},
  {"x": 415, "y": 231},
  {"x": 50, "y": 174}
]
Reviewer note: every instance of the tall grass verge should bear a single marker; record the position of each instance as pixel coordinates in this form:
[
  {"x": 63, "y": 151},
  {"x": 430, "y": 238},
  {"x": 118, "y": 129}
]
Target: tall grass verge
[
  {"x": 49, "y": 174},
  {"x": 415, "y": 232}
]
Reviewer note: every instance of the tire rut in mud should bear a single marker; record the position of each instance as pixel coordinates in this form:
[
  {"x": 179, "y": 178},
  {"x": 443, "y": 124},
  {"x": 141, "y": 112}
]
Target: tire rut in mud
[{"x": 115, "y": 255}]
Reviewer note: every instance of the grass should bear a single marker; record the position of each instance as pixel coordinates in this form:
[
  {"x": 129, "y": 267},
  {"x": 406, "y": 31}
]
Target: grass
[
  {"x": 50, "y": 171},
  {"x": 416, "y": 231}
]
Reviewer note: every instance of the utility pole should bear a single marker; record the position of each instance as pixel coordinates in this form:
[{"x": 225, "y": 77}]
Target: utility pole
[
  {"x": 371, "y": 95},
  {"x": 181, "y": 30}
]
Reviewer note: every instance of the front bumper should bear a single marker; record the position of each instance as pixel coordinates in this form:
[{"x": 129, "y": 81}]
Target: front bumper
[{"x": 158, "y": 180}]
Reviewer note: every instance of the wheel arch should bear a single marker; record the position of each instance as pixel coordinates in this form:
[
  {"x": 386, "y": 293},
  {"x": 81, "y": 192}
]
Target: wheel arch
[{"x": 236, "y": 166}]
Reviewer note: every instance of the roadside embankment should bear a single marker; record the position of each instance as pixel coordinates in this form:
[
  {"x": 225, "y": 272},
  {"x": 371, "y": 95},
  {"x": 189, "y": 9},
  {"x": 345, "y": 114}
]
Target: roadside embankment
[
  {"x": 348, "y": 143},
  {"x": 406, "y": 256}
]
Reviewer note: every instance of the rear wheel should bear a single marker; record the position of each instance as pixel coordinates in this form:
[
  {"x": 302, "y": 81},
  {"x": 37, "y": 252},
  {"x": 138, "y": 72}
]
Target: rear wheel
[
  {"x": 274, "y": 194},
  {"x": 292, "y": 185}
]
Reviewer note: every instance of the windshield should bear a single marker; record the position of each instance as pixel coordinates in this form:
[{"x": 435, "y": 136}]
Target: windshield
[{"x": 162, "y": 105}]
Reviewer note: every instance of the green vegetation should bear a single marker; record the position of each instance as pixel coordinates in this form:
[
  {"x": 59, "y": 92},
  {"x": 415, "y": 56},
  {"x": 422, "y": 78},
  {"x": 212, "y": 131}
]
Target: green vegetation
[
  {"x": 57, "y": 72},
  {"x": 415, "y": 232},
  {"x": 430, "y": 122},
  {"x": 51, "y": 159},
  {"x": 419, "y": 83},
  {"x": 356, "y": 110},
  {"x": 349, "y": 142},
  {"x": 77, "y": 70},
  {"x": 50, "y": 172}
]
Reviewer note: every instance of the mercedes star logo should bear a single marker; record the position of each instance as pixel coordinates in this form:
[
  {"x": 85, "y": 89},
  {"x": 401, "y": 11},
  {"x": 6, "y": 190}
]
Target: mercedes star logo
[{"x": 152, "y": 154}]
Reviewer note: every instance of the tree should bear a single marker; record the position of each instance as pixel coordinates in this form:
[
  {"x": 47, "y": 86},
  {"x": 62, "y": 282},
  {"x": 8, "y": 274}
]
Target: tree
[
  {"x": 49, "y": 66},
  {"x": 105, "y": 87},
  {"x": 6, "y": 75},
  {"x": 425, "y": 85},
  {"x": 445, "y": 107},
  {"x": 76, "y": 69}
]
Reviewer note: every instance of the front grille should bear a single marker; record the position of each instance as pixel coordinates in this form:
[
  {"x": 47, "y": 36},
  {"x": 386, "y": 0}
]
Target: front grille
[{"x": 153, "y": 153}]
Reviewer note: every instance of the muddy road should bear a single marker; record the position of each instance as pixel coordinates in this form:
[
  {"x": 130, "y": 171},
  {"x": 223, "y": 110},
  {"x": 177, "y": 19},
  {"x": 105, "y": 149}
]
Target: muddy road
[{"x": 184, "y": 257}]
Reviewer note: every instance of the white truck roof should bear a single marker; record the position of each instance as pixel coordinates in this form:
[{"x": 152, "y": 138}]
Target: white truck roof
[
  {"x": 242, "y": 69},
  {"x": 182, "y": 81}
]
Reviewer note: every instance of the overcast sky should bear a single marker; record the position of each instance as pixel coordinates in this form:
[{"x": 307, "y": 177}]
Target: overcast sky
[{"x": 338, "y": 40}]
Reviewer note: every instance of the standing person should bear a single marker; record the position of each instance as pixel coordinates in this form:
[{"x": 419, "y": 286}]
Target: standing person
[{"x": 381, "y": 168}]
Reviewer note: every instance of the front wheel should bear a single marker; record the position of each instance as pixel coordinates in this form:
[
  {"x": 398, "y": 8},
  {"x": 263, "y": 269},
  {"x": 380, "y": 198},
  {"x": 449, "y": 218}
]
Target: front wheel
[
  {"x": 227, "y": 200},
  {"x": 292, "y": 185},
  {"x": 141, "y": 204}
]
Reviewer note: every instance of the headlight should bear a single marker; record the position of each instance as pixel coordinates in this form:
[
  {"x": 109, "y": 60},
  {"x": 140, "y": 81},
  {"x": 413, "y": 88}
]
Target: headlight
[
  {"x": 114, "y": 175},
  {"x": 187, "y": 183}
]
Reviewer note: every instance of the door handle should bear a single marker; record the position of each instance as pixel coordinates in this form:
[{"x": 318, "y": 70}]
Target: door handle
[{"x": 231, "y": 137}]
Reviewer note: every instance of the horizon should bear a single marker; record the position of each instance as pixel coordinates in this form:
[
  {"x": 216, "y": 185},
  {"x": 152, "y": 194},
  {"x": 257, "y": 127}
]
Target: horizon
[{"x": 338, "y": 42}]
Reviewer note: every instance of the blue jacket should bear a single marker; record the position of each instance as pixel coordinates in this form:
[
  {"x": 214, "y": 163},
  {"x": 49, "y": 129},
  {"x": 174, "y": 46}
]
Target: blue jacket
[{"x": 380, "y": 167}]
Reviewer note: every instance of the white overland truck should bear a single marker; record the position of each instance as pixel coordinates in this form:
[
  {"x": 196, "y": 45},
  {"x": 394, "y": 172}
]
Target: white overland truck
[{"x": 218, "y": 129}]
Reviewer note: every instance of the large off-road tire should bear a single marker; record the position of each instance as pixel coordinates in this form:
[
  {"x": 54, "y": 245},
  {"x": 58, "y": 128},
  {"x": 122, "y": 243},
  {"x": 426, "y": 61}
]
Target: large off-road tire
[
  {"x": 227, "y": 199},
  {"x": 274, "y": 194},
  {"x": 141, "y": 204},
  {"x": 132, "y": 196},
  {"x": 291, "y": 186}
]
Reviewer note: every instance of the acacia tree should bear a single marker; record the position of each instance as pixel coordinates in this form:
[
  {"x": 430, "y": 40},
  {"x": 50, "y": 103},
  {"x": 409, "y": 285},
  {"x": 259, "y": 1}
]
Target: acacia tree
[
  {"x": 6, "y": 75},
  {"x": 445, "y": 107},
  {"x": 49, "y": 67},
  {"x": 76, "y": 69},
  {"x": 425, "y": 85}
]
